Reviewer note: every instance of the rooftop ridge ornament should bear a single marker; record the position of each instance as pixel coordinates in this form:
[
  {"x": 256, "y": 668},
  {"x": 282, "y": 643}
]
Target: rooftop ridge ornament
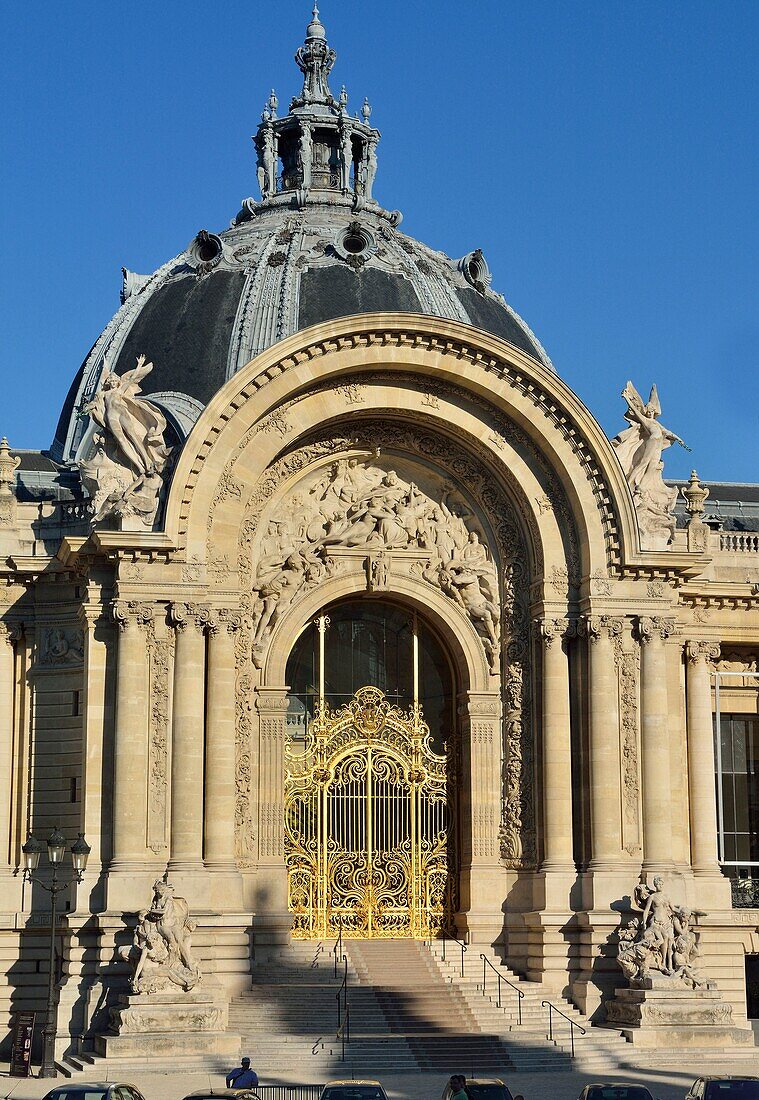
[{"x": 315, "y": 60}]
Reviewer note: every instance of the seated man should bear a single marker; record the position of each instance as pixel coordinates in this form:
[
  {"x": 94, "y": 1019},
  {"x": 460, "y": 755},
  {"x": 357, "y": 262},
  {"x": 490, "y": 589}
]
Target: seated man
[{"x": 242, "y": 1078}]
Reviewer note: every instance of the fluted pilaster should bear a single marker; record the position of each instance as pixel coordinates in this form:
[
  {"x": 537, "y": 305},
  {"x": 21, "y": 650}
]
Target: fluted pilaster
[
  {"x": 654, "y": 735},
  {"x": 703, "y": 808},
  {"x": 8, "y": 637},
  {"x": 219, "y": 816},
  {"x": 558, "y": 852},
  {"x": 187, "y": 736},
  {"x": 130, "y": 750},
  {"x": 603, "y": 726}
]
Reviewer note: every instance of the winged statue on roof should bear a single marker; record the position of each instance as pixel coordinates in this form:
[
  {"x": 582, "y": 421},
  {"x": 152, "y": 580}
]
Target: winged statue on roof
[{"x": 639, "y": 449}]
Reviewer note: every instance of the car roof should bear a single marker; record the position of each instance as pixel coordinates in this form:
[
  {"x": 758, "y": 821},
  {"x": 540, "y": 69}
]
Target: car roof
[
  {"x": 483, "y": 1080},
  {"x": 240, "y": 1093},
  {"x": 361, "y": 1081},
  {"x": 83, "y": 1086}
]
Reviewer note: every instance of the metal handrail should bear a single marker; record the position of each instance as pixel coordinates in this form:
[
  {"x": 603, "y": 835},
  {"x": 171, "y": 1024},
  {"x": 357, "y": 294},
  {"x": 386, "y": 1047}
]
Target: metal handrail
[
  {"x": 344, "y": 1032},
  {"x": 572, "y": 1025},
  {"x": 501, "y": 978},
  {"x": 447, "y": 936},
  {"x": 337, "y": 950},
  {"x": 342, "y": 994}
]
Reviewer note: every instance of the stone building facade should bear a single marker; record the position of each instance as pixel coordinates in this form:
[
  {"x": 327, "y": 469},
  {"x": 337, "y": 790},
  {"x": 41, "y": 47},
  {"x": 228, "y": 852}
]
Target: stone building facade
[{"x": 342, "y": 428}]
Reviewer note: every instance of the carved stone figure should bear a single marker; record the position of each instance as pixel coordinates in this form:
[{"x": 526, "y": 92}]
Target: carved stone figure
[
  {"x": 371, "y": 168},
  {"x": 305, "y": 156},
  {"x": 661, "y": 943},
  {"x": 124, "y": 474},
  {"x": 359, "y": 506},
  {"x": 161, "y": 953},
  {"x": 62, "y": 647},
  {"x": 639, "y": 450},
  {"x": 267, "y": 160},
  {"x": 346, "y": 156}
]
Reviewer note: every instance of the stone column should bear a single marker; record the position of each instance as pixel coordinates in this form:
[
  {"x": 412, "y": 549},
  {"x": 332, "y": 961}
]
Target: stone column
[
  {"x": 603, "y": 725},
  {"x": 187, "y": 737},
  {"x": 8, "y": 636},
  {"x": 98, "y": 711},
  {"x": 272, "y": 922},
  {"x": 703, "y": 805},
  {"x": 130, "y": 748},
  {"x": 654, "y": 729},
  {"x": 219, "y": 817},
  {"x": 558, "y": 854}
]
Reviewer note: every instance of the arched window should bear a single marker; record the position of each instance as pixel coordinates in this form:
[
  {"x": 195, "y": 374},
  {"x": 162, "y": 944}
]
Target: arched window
[{"x": 371, "y": 642}]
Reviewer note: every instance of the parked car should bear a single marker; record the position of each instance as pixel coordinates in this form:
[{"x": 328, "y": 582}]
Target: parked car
[
  {"x": 481, "y": 1088},
  {"x": 95, "y": 1090},
  {"x": 621, "y": 1090},
  {"x": 732, "y": 1088},
  {"x": 214, "y": 1094},
  {"x": 353, "y": 1090}
]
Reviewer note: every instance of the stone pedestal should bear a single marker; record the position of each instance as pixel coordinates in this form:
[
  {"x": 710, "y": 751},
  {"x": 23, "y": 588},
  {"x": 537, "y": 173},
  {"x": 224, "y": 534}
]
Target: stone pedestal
[
  {"x": 660, "y": 1013},
  {"x": 153, "y": 1026}
]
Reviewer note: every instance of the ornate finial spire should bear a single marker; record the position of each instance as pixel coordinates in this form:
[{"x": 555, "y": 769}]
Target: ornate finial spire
[{"x": 315, "y": 60}]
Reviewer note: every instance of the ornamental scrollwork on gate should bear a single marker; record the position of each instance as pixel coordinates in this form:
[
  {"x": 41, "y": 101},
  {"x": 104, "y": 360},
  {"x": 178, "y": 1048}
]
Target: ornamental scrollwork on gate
[{"x": 369, "y": 824}]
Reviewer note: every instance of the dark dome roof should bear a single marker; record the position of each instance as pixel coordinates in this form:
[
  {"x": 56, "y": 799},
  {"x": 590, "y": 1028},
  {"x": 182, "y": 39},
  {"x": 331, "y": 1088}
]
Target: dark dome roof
[
  {"x": 281, "y": 271},
  {"x": 317, "y": 246}
]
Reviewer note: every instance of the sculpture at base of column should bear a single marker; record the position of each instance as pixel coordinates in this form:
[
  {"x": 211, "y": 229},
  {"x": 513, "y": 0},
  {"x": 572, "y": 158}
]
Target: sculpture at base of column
[
  {"x": 161, "y": 953},
  {"x": 124, "y": 474},
  {"x": 668, "y": 1003},
  {"x": 661, "y": 943},
  {"x": 639, "y": 450}
]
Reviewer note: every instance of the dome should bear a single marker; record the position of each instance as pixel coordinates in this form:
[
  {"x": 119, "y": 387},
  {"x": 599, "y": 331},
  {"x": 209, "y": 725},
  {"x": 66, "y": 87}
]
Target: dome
[{"x": 316, "y": 246}]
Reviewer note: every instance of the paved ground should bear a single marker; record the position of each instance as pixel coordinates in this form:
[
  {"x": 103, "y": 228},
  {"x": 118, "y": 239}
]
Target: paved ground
[{"x": 665, "y": 1084}]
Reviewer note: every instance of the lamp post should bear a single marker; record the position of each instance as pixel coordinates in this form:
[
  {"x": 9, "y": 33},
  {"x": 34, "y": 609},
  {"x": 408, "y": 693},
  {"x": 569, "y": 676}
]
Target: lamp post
[{"x": 56, "y": 850}]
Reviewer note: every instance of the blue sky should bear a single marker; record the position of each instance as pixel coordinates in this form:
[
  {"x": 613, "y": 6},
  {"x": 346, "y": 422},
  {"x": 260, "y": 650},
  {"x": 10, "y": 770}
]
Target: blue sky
[{"x": 602, "y": 154}]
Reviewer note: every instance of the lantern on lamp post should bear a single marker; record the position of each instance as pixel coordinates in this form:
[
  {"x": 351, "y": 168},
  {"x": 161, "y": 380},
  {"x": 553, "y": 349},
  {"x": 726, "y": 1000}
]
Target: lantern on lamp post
[{"x": 56, "y": 853}]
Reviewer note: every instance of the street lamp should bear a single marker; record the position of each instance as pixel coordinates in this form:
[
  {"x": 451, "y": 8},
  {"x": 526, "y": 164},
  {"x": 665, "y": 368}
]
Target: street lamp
[{"x": 56, "y": 851}]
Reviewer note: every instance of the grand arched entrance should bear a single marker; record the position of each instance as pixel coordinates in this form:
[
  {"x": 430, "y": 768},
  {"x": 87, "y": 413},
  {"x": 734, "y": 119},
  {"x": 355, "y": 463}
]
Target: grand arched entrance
[{"x": 370, "y": 789}]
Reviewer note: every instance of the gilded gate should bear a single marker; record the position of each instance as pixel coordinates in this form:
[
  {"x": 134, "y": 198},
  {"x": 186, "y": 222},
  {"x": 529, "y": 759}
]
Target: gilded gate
[{"x": 369, "y": 824}]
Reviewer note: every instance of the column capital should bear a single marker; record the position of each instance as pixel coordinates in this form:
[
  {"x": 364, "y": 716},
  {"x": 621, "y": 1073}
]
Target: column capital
[
  {"x": 231, "y": 618},
  {"x": 126, "y": 612},
  {"x": 549, "y": 630},
  {"x": 648, "y": 627},
  {"x": 199, "y": 616},
  {"x": 697, "y": 650},
  {"x": 10, "y": 633},
  {"x": 595, "y": 627}
]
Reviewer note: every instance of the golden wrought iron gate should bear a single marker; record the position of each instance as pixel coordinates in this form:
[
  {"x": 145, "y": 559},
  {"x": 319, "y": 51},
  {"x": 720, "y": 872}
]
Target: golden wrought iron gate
[{"x": 369, "y": 839}]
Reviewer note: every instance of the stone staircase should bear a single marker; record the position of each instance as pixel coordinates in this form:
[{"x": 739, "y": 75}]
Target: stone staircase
[
  {"x": 522, "y": 1022},
  {"x": 407, "y": 1013},
  {"x": 411, "y": 1010}
]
